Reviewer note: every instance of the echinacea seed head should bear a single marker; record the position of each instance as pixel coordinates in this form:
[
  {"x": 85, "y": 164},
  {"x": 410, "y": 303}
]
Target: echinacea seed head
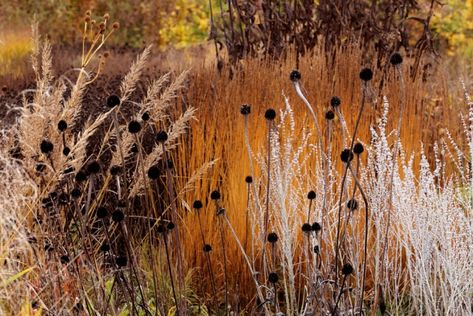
[
  {"x": 358, "y": 148},
  {"x": 295, "y": 75},
  {"x": 118, "y": 216},
  {"x": 102, "y": 212},
  {"x": 145, "y": 116},
  {"x": 245, "y": 109},
  {"x": 329, "y": 115},
  {"x": 316, "y": 249},
  {"x": 270, "y": 114},
  {"x": 105, "y": 247},
  {"x": 169, "y": 164},
  {"x": 134, "y": 127},
  {"x": 171, "y": 226},
  {"x": 311, "y": 195},
  {"x": 249, "y": 179},
  {"x": 66, "y": 151},
  {"x": 347, "y": 269},
  {"x": 366, "y": 74},
  {"x": 352, "y": 204},
  {"x": 306, "y": 228},
  {"x": 272, "y": 237},
  {"x": 153, "y": 172},
  {"x": 81, "y": 176},
  {"x": 121, "y": 261},
  {"x": 115, "y": 170},
  {"x": 62, "y": 125},
  {"x": 161, "y": 229},
  {"x": 113, "y": 100},
  {"x": 46, "y": 146},
  {"x": 346, "y": 155},
  {"x": 396, "y": 59},
  {"x": 161, "y": 136},
  {"x": 273, "y": 278},
  {"x": 197, "y": 204},
  {"x": 207, "y": 248},
  {"x": 316, "y": 227},
  {"x": 64, "y": 259},
  {"x": 335, "y": 101},
  {"x": 93, "y": 167},
  {"x": 215, "y": 195},
  {"x": 75, "y": 193}
]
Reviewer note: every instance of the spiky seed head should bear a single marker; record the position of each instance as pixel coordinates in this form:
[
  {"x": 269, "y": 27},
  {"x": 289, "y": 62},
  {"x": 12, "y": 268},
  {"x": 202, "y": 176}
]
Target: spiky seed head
[
  {"x": 358, "y": 148},
  {"x": 105, "y": 247},
  {"x": 106, "y": 16},
  {"x": 75, "y": 193},
  {"x": 118, "y": 216},
  {"x": 366, "y": 74},
  {"x": 346, "y": 155},
  {"x": 145, "y": 116},
  {"x": 396, "y": 59},
  {"x": 121, "y": 261},
  {"x": 215, "y": 195},
  {"x": 316, "y": 249},
  {"x": 161, "y": 136},
  {"x": 64, "y": 259},
  {"x": 93, "y": 167},
  {"x": 249, "y": 179},
  {"x": 115, "y": 25},
  {"x": 270, "y": 114},
  {"x": 115, "y": 170},
  {"x": 81, "y": 176},
  {"x": 207, "y": 248},
  {"x": 311, "y": 195},
  {"x": 197, "y": 204},
  {"x": 113, "y": 100},
  {"x": 102, "y": 212},
  {"x": 171, "y": 226},
  {"x": 273, "y": 278},
  {"x": 306, "y": 228},
  {"x": 134, "y": 127},
  {"x": 347, "y": 269},
  {"x": 62, "y": 125},
  {"x": 46, "y": 146},
  {"x": 316, "y": 227},
  {"x": 245, "y": 109},
  {"x": 272, "y": 237},
  {"x": 329, "y": 115},
  {"x": 66, "y": 151},
  {"x": 295, "y": 76},
  {"x": 335, "y": 101},
  {"x": 352, "y": 204}
]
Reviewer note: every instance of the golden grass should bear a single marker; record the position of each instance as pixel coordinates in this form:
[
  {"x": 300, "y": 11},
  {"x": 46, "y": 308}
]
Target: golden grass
[{"x": 15, "y": 49}]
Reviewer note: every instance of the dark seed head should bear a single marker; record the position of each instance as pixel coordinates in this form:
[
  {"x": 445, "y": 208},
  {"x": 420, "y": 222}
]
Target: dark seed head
[
  {"x": 215, "y": 195},
  {"x": 358, "y": 148},
  {"x": 207, "y": 248},
  {"x": 249, "y": 179},
  {"x": 75, "y": 193},
  {"x": 346, "y": 155},
  {"x": 347, "y": 269},
  {"x": 395, "y": 59},
  {"x": 197, "y": 204},
  {"x": 46, "y": 146},
  {"x": 316, "y": 227},
  {"x": 102, "y": 212},
  {"x": 62, "y": 125},
  {"x": 272, "y": 237},
  {"x": 64, "y": 259},
  {"x": 113, "y": 101},
  {"x": 161, "y": 136},
  {"x": 169, "y": 164},
  {"x": 118, "y": 216},
  {"x": 306, "y": 228},
  {"x": 295, "y": 75},
  {"x": 316, "y": 249},
  {"x": 153, "y": 172},
  {"x": 311, "y": 195},
  {"x": 115, "y": 170},
  {"x": 335, "y": 101},
  {"x": 93, "y": 167},
  {"x": 245, "y": 109},
  {"x": 270, "y": 114},
  {"x": 273, "y": 277},
  {"x": 66, "y": 151},
  {"x": 134, "y": 127},
  {"x": 171, "y": 226},
  {"x": 105, "y": 247},
  {"x": 40, "y": 167},
  {"x": 80, "y": 176},
  {"x": 145, "y": 117},
  {"x": 121, "y": 261},
  {"x": 161, "y": 229},
  {"x": 366, "y": 74},
  {"x": 329, "y": 115},
  {"x": 352, "y": 204}
]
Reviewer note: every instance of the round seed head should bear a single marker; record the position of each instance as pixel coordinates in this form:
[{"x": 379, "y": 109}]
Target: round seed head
[
  {"x": 105, "y": 247},
  {"x": 64, "y": 259},
  {"x": 249, "y": 179},
  {"x": 358, "y": 148},
  {"x": 81, "y": 176},
  {"x": 118, "y": 216},
  {"x": 245, "y": 109},
  {"x": 93, "y": 167},
  {"x": 197, "y": 204},
  {"x": 335, "y": 101},
  {"x": 161, "y": 229},
  {"x": 366, "y": 74},
  {"x": 295, "y": 75},
  {"x": 316, "y": 249},
  {"x": 75, "y": 193},
  {"x": 113, "y": 100},
  {"x": 115, "y": 25},
  {"x": 316, "y": 227},
  {"x": 134, "y": 127},
  {"x": 207, "y": 248},
  {"x": 352, "y": 204},
  {"x": 396, "y": 59},
  {"x": 169, "y": 164},
  {"x": 329, "y": 115},
  {"x": 215, "y": 195},
  {"x": 270, "y": 114},
  {"x": 153, "y": 172},
  {"x": 46, "y": 146},
  {"x": 66, "y": 151},
  {"x": 121, "y": 261},
  {"x": 145, "y": 117},
  {"x": 62, "y": 125},
  {"x": 102, "y": 212},
  {"x": 273, "y": 237},
  {"x": 347, "y": 269},
  {"x": 161, "y": 136},
  {"x": 306, "y": 228},
  {"x": 115, "y": 170},
  {"x": 171, "y": 226},
  {"x": 273, "y": 277},
  {"x": 346, "y": 155},
  {"x": 311, "y": 195}
]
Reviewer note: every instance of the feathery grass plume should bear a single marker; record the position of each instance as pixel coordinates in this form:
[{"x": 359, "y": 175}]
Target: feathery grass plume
[{"x": 128, "y": 84}]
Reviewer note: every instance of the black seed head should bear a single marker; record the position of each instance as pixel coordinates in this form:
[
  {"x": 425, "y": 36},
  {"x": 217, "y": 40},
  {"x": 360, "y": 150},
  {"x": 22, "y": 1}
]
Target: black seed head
[
  {"x": 396, "y": 59},
  {"x": 102, "y": 212},
  {"x": 358, "y": 148},
  {"x": 161, "y": 136},
  {"x": 295, "y": 75},
  {"x": 113, "y": 101},
  {"x": 215, "y": 195},
  {"x": 40, "y": 167},
  {"x": 306, "y": 228},
  {"x": 273, "y": 277},
  {"x": 366, "y": 74},
  {"x": 46, "y": 146},
  {"x": 75, "y": 193},
  {"x": 80, "y": 176},
  {"x": 171, "y": 226},
  {"x": 145, "y": 117},
  {"x": 134, "y": 148},
  {"x": 270, "y": 114},
  {"x": 335, "y": 101},
  {"x": 153, "y": 172},
  {"x": 207, "y": 248},
  {"x": 115, "y": 170},
  {"x": 121, "y": 261},
  {"x": 62, "y": 125},
  {"x": 169, "y": 164},
  {"x": 105, "y": 247},
  {"x": 134, "y": 127},
  {"x": 249, "y": 179},
  {"x": 93, "y": 167},
  {"x": 352, "y": 204},
  {"x": 316, "y": 249},
  {"x": 66, "y": 151},
  {"x": 245, "y": 109},
  {"x": 346, "y": 155},
  {"x": 161, "y": 229},
  {"x": 272, "y": 237},
  {"x": 329, "y": 115},
  {"x": 64, "y": 259},
  {"x": 347, "y": 269},
  {"x": 197, "y": 204},
  {"x": 316, "y": 227},
  {"x": 311, "y": 195},
  {"x": 118, "y": 216}
]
